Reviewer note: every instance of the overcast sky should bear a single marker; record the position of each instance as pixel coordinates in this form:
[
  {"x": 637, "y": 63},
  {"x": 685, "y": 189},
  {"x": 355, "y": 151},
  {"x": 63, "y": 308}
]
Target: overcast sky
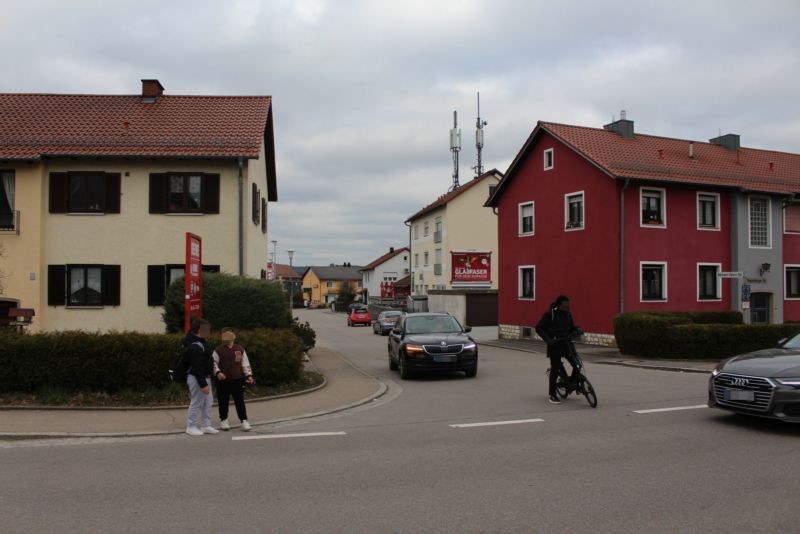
[{"x": 364, "y": 91}]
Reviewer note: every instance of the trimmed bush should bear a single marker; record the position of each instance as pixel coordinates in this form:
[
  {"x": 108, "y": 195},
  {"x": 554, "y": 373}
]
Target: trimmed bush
[
  {"x": 234, "y": 301},
  {"x": 701, "y": 335},
  {"x": 92, "y": 362},
  {"x": 306, "y": 334}
]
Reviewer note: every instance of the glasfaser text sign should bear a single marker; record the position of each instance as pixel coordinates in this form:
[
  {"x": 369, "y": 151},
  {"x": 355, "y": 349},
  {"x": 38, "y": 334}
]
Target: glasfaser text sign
[{"x": 471, "y": 268}]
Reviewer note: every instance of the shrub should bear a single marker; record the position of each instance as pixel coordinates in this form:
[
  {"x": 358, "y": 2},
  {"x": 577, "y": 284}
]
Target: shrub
[
  {"x": 703, "y": 335},
  {"x": 117, "y": 361},
  {"x": 234, "y": 301},
  {"x": 306, "y": 334}
]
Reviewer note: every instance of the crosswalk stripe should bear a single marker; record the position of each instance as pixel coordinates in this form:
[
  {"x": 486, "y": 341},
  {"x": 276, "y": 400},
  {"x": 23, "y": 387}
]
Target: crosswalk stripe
[
  {"x": 497, "y": 423},
  {"x": 283, "y": 436},
  {"x": 675, "y": 409}
]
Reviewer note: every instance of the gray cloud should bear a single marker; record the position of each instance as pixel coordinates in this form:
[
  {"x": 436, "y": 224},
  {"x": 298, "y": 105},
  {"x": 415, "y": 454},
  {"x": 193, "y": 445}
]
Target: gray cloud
[{"x": 364, "y": 90}]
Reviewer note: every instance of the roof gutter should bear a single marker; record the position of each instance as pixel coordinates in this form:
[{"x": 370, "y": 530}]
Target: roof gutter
[
  {"x": 410, "y": 272},
  {"x": 241, "y": 216}
]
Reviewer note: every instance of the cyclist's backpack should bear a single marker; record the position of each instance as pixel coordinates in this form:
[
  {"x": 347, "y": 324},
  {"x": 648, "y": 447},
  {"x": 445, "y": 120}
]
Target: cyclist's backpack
[{"x": 181, "y": 366}]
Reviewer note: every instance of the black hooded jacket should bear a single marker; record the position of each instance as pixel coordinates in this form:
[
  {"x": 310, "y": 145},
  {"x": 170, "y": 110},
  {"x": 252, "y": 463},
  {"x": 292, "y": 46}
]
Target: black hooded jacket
[
  {"x": 554, "y": 326},
  {"x": 200, "y": 362}
]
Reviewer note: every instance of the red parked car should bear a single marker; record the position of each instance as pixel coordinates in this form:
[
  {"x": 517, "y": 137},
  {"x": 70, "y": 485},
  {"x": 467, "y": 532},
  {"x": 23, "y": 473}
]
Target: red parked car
[{"x": 359, "y": 316}]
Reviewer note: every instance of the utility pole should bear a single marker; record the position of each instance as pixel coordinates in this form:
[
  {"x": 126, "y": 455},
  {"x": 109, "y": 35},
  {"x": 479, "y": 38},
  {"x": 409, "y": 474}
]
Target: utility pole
[{"x": 479, "y": 124}]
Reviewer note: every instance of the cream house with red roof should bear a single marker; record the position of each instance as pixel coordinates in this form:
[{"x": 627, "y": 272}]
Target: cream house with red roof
[
  {"x": 380, "y": 275},
  {"x": 98, "y": 192}
]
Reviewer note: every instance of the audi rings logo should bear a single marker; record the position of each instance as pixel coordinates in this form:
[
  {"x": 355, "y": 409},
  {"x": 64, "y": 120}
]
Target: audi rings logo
[
  {"x": 444, "y": 343},
  {"x": 741, "y": 382}
]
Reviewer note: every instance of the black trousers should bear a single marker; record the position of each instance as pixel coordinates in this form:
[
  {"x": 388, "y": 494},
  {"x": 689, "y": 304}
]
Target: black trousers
[
  {"x": 556, "y": 367},
  {"x": 226, "y": 390}
]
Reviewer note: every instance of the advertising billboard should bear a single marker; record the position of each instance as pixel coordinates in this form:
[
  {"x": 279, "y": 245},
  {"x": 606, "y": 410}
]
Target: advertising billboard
[
  {"x": 193, "y": 289},
  {"x": 471, "y": 268}
]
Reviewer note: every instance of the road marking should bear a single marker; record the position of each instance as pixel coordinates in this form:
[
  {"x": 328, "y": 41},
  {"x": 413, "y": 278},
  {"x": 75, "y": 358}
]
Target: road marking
[
  {"x": 282, "y": 436},
  {"x": 675, "y": 409},
  {"x": 498, "y": 423}
]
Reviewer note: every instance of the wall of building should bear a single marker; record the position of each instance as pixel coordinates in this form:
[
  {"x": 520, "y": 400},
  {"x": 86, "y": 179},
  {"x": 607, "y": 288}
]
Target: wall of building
[
  {"x": 454, "y": 304},
  {"x": 371, "y": 280},
  {"x": 423, "y": 275},
  {"x": 22, "y": 261},
  {"x": 680, "y": 244},
  {"x": 747, "y": 259},
  {"x": 582, "y": 264},
  {"x": 791, "y": 256},
  {"x": 256, "y": 241},
  {"x": 134, "y": 239},
  {"x": 472, "y": 227}
]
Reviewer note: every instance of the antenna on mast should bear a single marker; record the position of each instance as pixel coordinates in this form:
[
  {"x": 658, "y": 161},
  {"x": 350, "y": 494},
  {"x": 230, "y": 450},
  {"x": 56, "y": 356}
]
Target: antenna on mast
[
  {"x": 479, "y": 124},
  {"x": 455, "y": 148}
]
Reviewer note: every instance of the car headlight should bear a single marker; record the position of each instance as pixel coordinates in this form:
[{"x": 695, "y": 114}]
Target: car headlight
[
  {"x": 414, "y": 349},
  {"x": 469, "y": 346},
  {"x": 715, "y": 372},
  {"x": 794, "y": 382}
]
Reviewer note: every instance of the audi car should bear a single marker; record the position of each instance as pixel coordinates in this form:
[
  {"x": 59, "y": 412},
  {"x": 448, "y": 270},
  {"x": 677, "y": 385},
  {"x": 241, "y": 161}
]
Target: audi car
[
  {"x": 431, "y": 342},
  {"x": 765, "y": 383},
  {"x": 385, "y": 322}
]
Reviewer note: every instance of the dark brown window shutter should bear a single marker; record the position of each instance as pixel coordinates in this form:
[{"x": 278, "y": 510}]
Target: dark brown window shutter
[
  {"x": 210, "y": 268},
  {"x": 254, "y": 204},
  {"x": 56, "y": 285},
  {"x": 113, "y": 192},
  {"x": 158, "y": 193},
  {"x": 264, "y": 215},
  {"x": 210, "y": 193},
  {"x": 156, "y": 284},
  {"x": 59, "y": 190},
  {"x": 111, "y": 285}
]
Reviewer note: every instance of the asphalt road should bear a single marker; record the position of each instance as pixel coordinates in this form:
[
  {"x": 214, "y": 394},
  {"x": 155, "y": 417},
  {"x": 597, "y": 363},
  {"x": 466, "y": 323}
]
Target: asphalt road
[{"x": 397, "y": 464}]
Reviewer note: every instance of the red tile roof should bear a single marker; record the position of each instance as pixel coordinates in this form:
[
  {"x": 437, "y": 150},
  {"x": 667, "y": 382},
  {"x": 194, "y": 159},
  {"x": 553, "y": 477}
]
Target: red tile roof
[
  {"x": 33, "y": 125},
  {"x": 283, "y": 271},
  {"x": 664, "y": 159},
  {"x": 447, "y": 197},
  {"x": 386, "y": 257}
]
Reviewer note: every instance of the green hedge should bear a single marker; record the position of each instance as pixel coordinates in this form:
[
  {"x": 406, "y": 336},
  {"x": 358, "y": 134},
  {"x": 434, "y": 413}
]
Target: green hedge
[
  {"x": 91, "y": 362},
  {"x": 235, "y": 301},
  {"x": 701, "y": 335}
]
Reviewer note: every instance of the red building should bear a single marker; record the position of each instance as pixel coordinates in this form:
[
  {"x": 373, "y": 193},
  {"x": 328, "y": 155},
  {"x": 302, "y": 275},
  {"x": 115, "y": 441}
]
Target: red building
[{"x": 621, "y": 221}]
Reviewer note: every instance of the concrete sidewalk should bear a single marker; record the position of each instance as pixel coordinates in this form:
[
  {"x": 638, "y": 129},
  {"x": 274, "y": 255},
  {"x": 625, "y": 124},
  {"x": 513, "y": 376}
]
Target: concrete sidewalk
[
  {"x": 608, "y": 356},
  {"x": 346, "y": 387}
]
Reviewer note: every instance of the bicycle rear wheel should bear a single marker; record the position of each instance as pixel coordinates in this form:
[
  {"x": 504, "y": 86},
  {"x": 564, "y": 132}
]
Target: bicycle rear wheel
[{"x": 588, "y": 391}]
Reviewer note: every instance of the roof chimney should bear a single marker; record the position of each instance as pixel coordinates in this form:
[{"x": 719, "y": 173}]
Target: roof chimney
[
  {"x": 151, "y": 90},
  {"x": 623, "y": 127},
  {"x": 729, "y": 141},
  {"x": 391, "y": 249}
]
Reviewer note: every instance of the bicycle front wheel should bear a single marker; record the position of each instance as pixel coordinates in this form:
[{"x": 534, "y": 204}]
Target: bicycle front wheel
[{"x": 588, "y": 392}]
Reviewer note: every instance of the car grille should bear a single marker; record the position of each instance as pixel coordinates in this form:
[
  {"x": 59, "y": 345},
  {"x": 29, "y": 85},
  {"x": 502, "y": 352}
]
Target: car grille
[
  {"x": 446, "y": 349},
  {"x": 762, "y": 388}
]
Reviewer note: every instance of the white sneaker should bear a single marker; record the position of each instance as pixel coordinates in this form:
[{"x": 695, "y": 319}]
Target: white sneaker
[
  {"x": 194, "y": 431},
  {"x": 209, "y": 430},
  {"x": 246, "y": 426},
  {"x": 224, "y": 425}
]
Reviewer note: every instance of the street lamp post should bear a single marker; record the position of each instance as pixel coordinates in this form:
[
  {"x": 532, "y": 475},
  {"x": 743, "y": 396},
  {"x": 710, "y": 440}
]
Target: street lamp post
[{"x": 291, "y": 283}]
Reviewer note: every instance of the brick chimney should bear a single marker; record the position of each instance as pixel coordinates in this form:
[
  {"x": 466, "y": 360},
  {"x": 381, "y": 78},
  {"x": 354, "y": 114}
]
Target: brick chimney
[{"x": 151, "y": 90}]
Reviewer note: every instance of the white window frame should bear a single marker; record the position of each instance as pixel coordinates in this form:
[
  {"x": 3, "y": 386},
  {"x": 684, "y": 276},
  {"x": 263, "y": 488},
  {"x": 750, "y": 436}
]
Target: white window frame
[
  {"x": 532, "y": 204},
  {"x": 769, "y": 223},
  {"x": 719, "y": 281},
  {"x": 718, "y": 226},
  {"x": 416, "y": 259},
  {"x": 328, "y": 285},
  {"x": 665, "y": 270},
  {"x": 552, "y": 154},
  {"x": 663, "y": 191},
  {"x": 426, "y": 229},
  {"x": 416, "y": 231},
  {"x": 786, "y": 267},
  {"x": 438, "y": 225},
  {"x": 785, "y": 231},
  {"x": 519, "y": 282},
  {"x": 426, "y": 257},
  {"x": 583, "y": 209}
]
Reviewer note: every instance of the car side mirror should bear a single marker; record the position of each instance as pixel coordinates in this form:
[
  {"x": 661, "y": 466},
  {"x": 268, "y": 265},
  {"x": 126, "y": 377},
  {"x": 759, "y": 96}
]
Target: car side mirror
[{"x": 467, "y": 329}]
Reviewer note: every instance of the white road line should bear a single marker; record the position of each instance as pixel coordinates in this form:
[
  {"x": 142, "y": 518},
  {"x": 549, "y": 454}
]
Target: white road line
[
  {"x": 498, "y": 423},
  {"x": 675, "y": 409},
  {"x": 282, "y": 436}
]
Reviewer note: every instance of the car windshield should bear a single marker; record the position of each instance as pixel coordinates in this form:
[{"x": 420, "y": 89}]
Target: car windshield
[
  {"x": 390, "y": 315},
  {"x": 360, "y": 310},
  {"x": 432, "y": 324},
  {"x": 792, "y": 342}
]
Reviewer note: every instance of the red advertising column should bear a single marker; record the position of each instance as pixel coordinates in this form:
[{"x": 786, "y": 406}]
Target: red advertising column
[{"x": 193, "y": 305}]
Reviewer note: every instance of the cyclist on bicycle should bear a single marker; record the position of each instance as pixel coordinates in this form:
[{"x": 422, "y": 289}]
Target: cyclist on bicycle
[{"x": 556, "y": 328}]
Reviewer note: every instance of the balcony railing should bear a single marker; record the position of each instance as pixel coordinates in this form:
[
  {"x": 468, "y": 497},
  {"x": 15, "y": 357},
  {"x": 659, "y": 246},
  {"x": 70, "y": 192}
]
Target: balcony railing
[
  {"x": 437, "y": 269},
  {"x": 437, "y": 237},
  {"x": 9, "y": 222}
]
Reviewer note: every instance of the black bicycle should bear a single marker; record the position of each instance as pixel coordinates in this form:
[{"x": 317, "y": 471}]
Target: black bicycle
[{"x": 579, "y": 383}]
